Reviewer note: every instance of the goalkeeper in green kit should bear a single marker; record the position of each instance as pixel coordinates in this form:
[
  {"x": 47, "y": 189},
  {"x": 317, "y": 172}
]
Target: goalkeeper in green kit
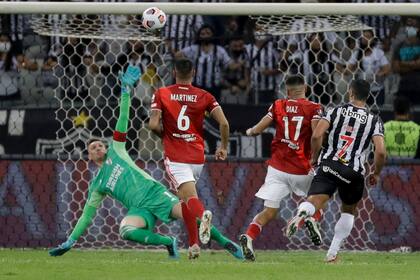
[{"x": 119, "y": 177}]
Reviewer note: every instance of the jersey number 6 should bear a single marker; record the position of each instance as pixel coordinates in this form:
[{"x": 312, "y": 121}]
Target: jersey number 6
[{"x": 183, "y": 121}]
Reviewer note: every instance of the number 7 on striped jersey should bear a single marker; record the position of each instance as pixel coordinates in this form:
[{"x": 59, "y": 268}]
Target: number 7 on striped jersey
[{"x": 347, "y": 142}]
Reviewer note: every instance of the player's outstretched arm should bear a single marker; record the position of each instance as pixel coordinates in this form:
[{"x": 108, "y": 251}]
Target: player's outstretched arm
[
  {"x": 260, "y": 126},
  {"x": 316, "y": 139},
  {"x": 127, "y": 80},
  {"x": 89, "y": 212},
  {"x": 218, "y": 115}
]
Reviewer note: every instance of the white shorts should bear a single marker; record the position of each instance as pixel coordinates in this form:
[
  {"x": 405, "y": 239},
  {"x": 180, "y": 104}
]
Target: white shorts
[
  {"x": 180, "y": 173},
  {"x": 278, "y": 185}
]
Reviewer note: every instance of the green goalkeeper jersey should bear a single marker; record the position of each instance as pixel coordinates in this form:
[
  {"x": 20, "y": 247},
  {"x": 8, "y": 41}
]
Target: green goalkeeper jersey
[
  {"x": 401, "y": 138},
  {"x": 120, "y": 178}
]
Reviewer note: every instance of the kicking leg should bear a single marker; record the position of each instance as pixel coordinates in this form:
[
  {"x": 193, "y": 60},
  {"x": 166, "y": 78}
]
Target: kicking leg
[
  {"x": 254, "y": 230},
  {"x": 188, "y": 193},
  {"x": 179, "y": 211},
  {"x": 342, "y": 230},
  {"x": 307, "y": 209},
  {"x": 322, "y": 188}
]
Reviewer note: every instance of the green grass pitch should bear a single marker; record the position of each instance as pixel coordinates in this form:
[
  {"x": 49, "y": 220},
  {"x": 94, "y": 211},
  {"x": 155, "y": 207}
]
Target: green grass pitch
[{"x": 126, "y": 265}]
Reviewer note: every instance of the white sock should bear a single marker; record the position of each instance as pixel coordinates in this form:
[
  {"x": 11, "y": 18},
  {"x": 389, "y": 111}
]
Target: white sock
[
  {"x": 308, "y": 207},
  {"x": 342, "y": 230}
]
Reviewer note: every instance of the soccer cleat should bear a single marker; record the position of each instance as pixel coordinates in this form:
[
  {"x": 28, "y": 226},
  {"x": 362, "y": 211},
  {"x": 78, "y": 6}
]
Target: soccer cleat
[
  {"x": 173, "y": 249},
  {"x": 193, "y": 252},
  {"x": 313, "y": 228},
  {"x": 246, "y": 245},
  {"x": 235, "y": 250},
  {"x": 331, "y": 259},
  {"x": 205, "y": 227},
  {"x": 294, "y": 223}
]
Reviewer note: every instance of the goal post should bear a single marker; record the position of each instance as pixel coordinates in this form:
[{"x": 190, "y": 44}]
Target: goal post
[
  {"x": 93, "y": 41},
  {"x": 402, "y": 9}
]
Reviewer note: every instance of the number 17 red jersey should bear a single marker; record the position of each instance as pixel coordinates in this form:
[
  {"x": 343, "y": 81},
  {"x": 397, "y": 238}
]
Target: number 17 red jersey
[
  {"x": 291, "y": 146},
  {"x": 183, "y": 108}
]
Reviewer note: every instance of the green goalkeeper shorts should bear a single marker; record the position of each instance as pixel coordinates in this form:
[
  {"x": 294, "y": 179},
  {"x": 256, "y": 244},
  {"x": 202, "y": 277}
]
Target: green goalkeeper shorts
[
  {"x": 157, "y": 205},
  {"x": 148, "y": 217}
]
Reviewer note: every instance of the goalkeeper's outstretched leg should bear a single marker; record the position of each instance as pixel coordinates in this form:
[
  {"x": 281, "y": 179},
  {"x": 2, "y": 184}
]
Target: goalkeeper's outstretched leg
[
  {"x": 138, "y": 226},
  {"x": 224, "y": 242}
]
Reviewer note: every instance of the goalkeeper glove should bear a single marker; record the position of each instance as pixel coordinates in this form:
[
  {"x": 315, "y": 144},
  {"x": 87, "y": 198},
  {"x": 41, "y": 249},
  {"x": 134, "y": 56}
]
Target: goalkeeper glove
[
  {"x": 130, "y": 77},
  {"x": 62, "y": 248}
]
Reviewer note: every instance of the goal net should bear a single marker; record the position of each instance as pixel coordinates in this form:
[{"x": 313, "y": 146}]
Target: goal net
[
  {"x": 106, "y": 44},
  {"x": 90, "y": 50}
]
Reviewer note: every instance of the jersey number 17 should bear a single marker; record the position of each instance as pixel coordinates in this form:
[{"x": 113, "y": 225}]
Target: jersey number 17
[{"x": 299, "y": 121}]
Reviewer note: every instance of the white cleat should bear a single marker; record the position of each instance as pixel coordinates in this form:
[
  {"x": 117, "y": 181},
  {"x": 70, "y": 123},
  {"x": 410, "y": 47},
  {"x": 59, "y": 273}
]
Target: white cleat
[
  {"x": 331, "y": 259},
  {"x": 294, "y": 224},
  {"x": 205, "y": 227},
  {"x": 246, "y": 244},
  {"x": 194, "y": 252}
]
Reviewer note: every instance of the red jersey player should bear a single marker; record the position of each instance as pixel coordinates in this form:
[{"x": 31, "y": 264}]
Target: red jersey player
[
  {"x": 289, "y": 168},
  {"x": 182, "y": 108}
]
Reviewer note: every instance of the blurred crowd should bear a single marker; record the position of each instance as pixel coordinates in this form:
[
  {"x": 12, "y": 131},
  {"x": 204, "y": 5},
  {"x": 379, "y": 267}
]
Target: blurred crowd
[{"x": 235, "y": 60}]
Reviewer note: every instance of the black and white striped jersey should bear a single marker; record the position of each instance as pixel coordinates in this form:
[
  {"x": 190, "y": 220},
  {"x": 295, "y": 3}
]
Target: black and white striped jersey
[
  {"x": 13, "y": 25},
  {"x": 350, "y": 135},
  {"x": 181, "y": 30},
  {"x": 266, "y": 58},
  {"x": 381, "y": 24},
  {"x": 208, "y": 65}
]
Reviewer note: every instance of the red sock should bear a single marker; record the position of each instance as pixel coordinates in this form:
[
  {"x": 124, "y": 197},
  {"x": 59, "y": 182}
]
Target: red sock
[
  {"x": 254, "y": 229},
  {"x": 318, "y": 215},
  {"x": 196, "y": 207},
  {"x": 191, "y": 224}
]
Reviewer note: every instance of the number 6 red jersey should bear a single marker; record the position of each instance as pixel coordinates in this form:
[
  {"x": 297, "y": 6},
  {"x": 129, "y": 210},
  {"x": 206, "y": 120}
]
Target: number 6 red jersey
[
  {"x": 291, "y": 146},
  {"x": 183, "y": 108}
]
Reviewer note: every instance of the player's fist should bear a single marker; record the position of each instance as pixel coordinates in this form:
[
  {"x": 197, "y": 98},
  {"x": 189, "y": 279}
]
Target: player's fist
[
  {"x": 221, "y": 154},
  {"x": 130, "y": 77},
  {"x": 373, "y": 179},
  {"x": 62, "y": 248},
  {"x": 249, "y": 132}
]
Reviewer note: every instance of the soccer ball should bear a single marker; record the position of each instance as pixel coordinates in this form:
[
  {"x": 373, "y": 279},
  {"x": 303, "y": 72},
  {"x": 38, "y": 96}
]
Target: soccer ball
[{"x": 153, "y": 18}]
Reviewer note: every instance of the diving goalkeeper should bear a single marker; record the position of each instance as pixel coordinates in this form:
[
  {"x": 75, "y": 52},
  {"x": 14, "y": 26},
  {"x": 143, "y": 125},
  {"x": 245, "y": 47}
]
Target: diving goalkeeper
[{"x": 119, "y": 177}]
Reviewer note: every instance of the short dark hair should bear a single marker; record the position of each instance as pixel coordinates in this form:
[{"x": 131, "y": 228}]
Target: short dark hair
[
  {"x": 361, "y": 89},
  {"x": 236, "y": 37},
  {"x": 91, "y": 140},
  {"x": 184, "y": 67},
  {"x": 401, "y": 106},
  {"x": 295, "y": 80}
]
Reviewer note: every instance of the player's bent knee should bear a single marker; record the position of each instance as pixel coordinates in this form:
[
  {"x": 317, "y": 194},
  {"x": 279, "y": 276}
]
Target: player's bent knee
[
  {"x": 349, "y": 209},
  {"x": 177, "y": 211},
  {"x": 318, "y": 200},
  {"x": 134, "y": 221},
  {"x": 187, "y": 190},
  {"x": 125, "y": 231}
]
